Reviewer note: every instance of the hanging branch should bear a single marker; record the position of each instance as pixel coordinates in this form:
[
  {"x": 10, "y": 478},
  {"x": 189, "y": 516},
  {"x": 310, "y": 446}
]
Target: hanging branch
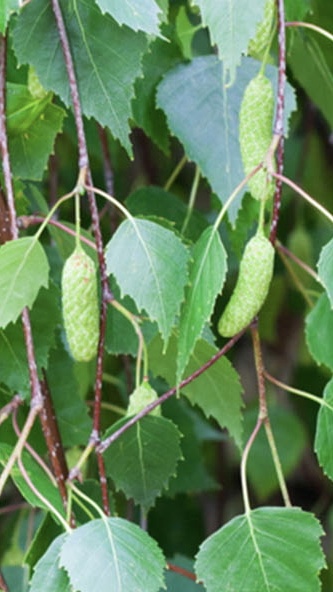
[
  {"x": 85, "y": 169},
  {"x": 48, "y": 421},
  {"x": 279, "y": 120}
]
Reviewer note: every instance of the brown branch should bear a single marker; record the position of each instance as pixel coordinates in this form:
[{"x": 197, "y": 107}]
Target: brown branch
[
  {"x": 133, "y": 420},
  {"x": 183, "y": 572},
  {"x": 279, "y": 120}
]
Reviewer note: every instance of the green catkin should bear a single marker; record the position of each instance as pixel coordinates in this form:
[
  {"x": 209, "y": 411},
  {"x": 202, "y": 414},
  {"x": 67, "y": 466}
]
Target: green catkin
[
  {"x": 80, "y": 305},
  {"x": 255, "y": 274},
  {"x": 255, "y": 133},
  {"x": 258, "y": 44},
  {"x": 140, "y": 398}
]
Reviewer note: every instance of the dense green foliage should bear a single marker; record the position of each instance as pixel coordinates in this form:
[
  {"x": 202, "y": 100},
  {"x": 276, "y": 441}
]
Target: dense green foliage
[{"x": 156, "y": 448}]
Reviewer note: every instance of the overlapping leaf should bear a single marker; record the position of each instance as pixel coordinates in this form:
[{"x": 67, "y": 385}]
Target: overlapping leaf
[
  {"x": 324, "y": 432},
  {"x": 325, "y": 266},
  {"x": 194, "y": 92},
  {"x": 23, "y": 271},
  {"x": 152, "y": 450},
  {"x": 319, "y": 332},
  {"x": 267, "y": 549},
  {"x": 106, "y": 64},
  {"x": 113, "y": 552},
  {"x": 48, "y": 576},
  {"x": 217, "y": 391},
  {"x": 231, "y": 25},
  {"x": 6, "y": 7},
  {"x": 207, "y": 275},
  {"x": 139, "y": 15},
  {"x": 149, "y": 263}
]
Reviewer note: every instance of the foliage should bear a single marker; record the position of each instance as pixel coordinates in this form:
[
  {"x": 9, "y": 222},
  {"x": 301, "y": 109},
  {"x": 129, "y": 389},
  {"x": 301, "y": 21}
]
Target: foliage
[{"x": 124, "y": 134}]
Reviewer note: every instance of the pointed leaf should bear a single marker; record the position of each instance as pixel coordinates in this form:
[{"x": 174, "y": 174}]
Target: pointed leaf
[
  {"x": 23, "y": 271},
  {"x": 112, "y": 552},
  {"x": 207, "y": 275},
  {"x": 48, "y": 576},
  {"x": 324, "y": 432},
  {"x": 150, "y": 264},
  {"x": 319, "y": 332},
  {"x": 194, "y": 92},
  {"x": 140, "y": 15},
  {"x": 325, "y": 268},
  {"x": 217, "y": 391},
  {"x": 106, "y": 64},
  {"x": 267, "y": 549},
  {"x": 152, "y": 451},
  {"x": 231, "y": 25}
]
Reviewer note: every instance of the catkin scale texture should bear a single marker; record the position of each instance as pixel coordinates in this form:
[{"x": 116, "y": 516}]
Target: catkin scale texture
[
  {"x": 255, "y": 133},
  {"x": 255, "y": 274},
  {"x": 80, "y": 305},
  {"x": 258, "y": 44}
]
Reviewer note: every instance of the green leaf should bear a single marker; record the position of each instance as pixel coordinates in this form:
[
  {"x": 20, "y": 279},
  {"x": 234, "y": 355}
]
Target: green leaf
[
  {"x": 37, "y": 476},
  {"x": 112, "y": 551},
  {"x": 231, "y": 25},
  {"x": 267, "y": 549},
  {"x": 72, "y": 412},
  {"x": 207, "y": 275},
  {"x": 311, "y": 70},
  {"x": 29, "y": 155},
  {"x": 192, "y": 474},
  {"x": 217, "y": 391},
  {"x": 319, "y": 332},
  {"x": 106, "y": 64},
  {"x": 47, "y": 574},
  {"x": 152, "y": 451},
  {"x": 150, "y": 264},
  {"x": 24, "y": 270},
  {"x": 6, "y": 8},
  {"x": 290, "y": 439},
  {"x": 139, "y": 15},
  {"x": 324, "y": 434},
  {"x": 22, "y": 108},
  {"x": 296, "y": 9},
  {"x": 156, "y": 62},
  {"x": 155, "y": 201},
  {"x": 325, "y": 267},
  {"x": 176, "y": 581},
  {"x": 44, "y": 317},
  {"x": 194, "y": 92}
]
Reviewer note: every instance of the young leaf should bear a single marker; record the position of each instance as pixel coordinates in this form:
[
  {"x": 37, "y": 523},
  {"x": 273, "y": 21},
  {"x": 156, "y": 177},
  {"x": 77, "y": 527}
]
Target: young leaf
[
  {"x": 139, "y": 15},
  {"x": 217, "y": 391},
  {"x": 324, "y": 433},
  {"x": 194, "y": 92},
  {"x": 24, "y": 270},
  {"x": 267, "y": 549},
  {"x": 150, "y": 264},
  {"x": 152, "y": 451},
  {"x": 319, "y": 332},
  {"x": 325, "y": 267},
  {"x": 112, "y": 552},
  {"x": 48, "y": 576},
  {"x": 207, "y": 274},
  {"x": 231, "y": 25},
  {"x": 106, "y": 64}
]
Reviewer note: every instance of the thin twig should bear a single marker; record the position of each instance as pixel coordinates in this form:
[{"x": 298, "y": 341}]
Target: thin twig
[
  {"x": 279, "y": 119},
  {"x": 133, "y": 420}
]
